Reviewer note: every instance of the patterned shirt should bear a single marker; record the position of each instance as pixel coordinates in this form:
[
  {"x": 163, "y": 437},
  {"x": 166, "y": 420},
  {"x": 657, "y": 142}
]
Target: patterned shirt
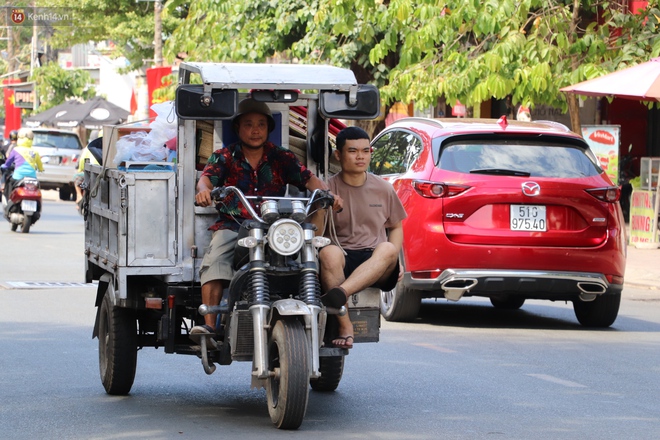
[{"x": 228, "y": 167}]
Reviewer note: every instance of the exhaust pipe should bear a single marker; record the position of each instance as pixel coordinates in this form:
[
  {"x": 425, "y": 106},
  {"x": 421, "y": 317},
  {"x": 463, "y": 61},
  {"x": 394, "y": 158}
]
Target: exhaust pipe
[
  {"x": 455, "y": 288},
  {"x": 589, "y": 290}
]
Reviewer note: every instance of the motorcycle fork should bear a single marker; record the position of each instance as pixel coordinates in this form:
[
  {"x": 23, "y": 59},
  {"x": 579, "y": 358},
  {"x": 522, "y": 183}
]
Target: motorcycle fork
[{"x": 260, "y": 306}]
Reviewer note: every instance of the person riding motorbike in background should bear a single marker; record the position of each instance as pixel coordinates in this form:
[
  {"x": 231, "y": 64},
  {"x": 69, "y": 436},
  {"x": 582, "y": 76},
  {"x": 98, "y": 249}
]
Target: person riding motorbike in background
[
  {"x": 13, "y": 138},
  {"x": 4, "y": 153},
  {"x": 25, "y": 160}
]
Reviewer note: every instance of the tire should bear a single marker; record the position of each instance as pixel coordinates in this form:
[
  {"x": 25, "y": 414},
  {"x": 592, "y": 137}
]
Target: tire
[
  {"x": 601, "y": 312},
  {"x": 27, "y": 222},
  {"x": 117, "y": 346},
  {"x": 331, "y": 368},
  {"x": 14, "y": 227},
  {"x": 400, "y": 304},
  {"x": 507, "y": 302},
  {"x": 65, "y": 192},
  {"x": 288, "y": 391}
]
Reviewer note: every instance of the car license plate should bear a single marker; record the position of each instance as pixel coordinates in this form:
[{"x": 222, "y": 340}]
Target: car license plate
[
  {"x": 29, "y": 205},
  {"x": 528, "y": 218}
]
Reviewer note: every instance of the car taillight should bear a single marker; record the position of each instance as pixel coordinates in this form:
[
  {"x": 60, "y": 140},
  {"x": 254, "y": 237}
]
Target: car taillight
[
  {"x": 610, "y": 194},
  {"x": 437, "y": 190}
]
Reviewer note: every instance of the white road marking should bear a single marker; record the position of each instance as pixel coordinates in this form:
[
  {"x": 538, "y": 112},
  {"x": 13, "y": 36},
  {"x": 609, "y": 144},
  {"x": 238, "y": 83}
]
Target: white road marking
[
  {"x": 436, "y": 348},
  {"x": 566, "y": 383}
]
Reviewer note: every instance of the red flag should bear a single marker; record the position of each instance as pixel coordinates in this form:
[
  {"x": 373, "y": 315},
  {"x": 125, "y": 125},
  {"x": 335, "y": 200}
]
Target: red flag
[
  {"x": 134, "y": 104},
  {"x": 154, "y": 81},
  {"x": 12, "y": 114}
]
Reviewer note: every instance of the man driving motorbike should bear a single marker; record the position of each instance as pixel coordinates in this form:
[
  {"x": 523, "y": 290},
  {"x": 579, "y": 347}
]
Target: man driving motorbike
[
  {"x": 369, "y": 230},
  {"x": 257, "y": 167}
]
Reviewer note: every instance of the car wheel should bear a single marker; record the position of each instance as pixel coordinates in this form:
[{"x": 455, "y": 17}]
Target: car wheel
[
  {"x": 601, "y": 312},
  {"x": 507, "y": 302},
  {"x": 65, "y": 192},
  {"x": 400, "y": 304}
]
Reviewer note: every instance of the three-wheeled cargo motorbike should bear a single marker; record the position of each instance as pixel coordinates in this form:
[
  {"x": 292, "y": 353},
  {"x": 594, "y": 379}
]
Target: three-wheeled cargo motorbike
[{"x": 145, "y": 238}]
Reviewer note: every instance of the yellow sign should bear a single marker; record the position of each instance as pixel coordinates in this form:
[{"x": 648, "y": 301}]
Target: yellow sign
[{"x": 642, "y": 217}]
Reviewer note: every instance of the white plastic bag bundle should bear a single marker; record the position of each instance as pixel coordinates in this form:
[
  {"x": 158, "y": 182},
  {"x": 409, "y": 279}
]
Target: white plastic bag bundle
[
  {"x": 163, "y": 128},
  {"x": 138, "y": 147}
]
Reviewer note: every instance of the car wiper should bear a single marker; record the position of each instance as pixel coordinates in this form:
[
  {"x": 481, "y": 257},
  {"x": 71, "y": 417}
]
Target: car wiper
[{"x": 500, "y": 172}]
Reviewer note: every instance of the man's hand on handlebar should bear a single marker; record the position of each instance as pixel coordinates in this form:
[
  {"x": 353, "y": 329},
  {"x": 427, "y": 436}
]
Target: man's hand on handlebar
[
  {"x": 338, "y": 204},
  {"x": 203, "y": 198}
]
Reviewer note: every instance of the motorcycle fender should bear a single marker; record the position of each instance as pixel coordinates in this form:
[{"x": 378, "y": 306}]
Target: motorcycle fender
[{"x": 290, "y": 307}]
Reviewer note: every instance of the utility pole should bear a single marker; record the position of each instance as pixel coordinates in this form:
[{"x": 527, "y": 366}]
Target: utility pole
[{"x": 158, "y": 34}]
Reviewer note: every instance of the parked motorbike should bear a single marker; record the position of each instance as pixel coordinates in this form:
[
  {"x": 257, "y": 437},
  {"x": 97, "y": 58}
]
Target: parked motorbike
[
  {"x": 22, "y": 203},
  {"x": 272, "y": 313}
]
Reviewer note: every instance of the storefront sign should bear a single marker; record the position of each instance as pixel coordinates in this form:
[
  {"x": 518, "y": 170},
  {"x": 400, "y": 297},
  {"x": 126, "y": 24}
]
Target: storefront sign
[
  {"x": 24, "y": 98},
  {"x": 604, "y": 142},
  {"x": 642, "y": 217}
]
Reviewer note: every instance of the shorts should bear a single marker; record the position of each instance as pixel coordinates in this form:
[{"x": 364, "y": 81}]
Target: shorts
[
  {"x": 218, "y": 260},
  {"x": 354, "y": 258}
]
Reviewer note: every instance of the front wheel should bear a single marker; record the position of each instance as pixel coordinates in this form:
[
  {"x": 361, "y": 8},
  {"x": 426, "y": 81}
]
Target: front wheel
[
  {"x": 601, "y": 312},
  {"x": 117, "y": 346},
  {"x": 400, "y": 304},
  {"x": 287, "y": 387}
]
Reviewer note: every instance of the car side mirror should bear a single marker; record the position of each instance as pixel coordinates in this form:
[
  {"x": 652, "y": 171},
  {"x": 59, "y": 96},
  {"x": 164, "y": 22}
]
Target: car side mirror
[
  {"x": 192, "y": 102},
  {"x": 337, "y": 104}
]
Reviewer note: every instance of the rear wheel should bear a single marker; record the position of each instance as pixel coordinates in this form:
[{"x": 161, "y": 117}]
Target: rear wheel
[
  {"x": 287, "y": 388},
  {"x": 66, "y": 192},
  {"x": 507, "y": 302},
  {"x": 601, "y": 312},
  {"x": 400, "y": 304},
  {"x": 117, "y": 346},
  {"x": 331, "y": 368},
  {"x": 27, "y": 222}
]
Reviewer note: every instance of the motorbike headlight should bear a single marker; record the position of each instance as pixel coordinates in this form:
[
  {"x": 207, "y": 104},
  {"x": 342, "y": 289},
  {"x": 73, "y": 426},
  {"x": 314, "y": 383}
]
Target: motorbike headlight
[{"x": 285, "y": 236}]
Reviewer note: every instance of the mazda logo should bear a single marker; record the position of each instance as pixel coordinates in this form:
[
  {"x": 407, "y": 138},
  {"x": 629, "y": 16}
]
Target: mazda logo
[{"x": 531, "y": 189}]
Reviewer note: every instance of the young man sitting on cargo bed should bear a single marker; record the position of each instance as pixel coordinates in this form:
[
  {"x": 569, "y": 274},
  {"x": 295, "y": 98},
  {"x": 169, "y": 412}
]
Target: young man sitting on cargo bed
[
  {"x": 368, "y": 230},
  {"x": 257, "y": 167}
]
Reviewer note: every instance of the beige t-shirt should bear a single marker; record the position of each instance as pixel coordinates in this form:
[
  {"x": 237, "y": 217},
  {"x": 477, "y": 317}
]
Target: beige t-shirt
[{"x": 368, "y": 211}]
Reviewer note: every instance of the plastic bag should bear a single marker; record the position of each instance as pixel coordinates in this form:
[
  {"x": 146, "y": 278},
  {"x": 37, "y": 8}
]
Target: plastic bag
[
  {"x": 138, "y": 147},
  {"x": 163, "y": 128}
]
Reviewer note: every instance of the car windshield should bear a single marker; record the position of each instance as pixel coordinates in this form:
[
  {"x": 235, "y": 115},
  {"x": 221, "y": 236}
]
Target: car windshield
[
  {"x": 524, "y": 159},
  {"x": 59, "y": 140}
]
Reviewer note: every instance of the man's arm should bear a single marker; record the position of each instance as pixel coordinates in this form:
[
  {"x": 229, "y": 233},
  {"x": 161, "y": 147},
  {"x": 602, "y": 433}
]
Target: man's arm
[
  {"x": 395, "y": 236},
  {"x": 204, "y": 188}
]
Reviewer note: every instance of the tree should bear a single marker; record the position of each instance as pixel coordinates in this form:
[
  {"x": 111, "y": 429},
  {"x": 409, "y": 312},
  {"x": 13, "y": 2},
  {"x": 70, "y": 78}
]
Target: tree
[
  {"x": 422, "y": 50},
  {"x": 55, "y": 85},
  {"x": 527, "y": 49},
  {"x": 127, "y": 24}
]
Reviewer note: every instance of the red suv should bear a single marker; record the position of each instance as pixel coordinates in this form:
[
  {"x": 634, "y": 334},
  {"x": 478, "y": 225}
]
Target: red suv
[{"x": 505, "y": 210}]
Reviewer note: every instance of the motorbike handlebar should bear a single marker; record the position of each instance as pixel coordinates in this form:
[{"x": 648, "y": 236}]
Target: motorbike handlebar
[{"x": 324, "y": 197}]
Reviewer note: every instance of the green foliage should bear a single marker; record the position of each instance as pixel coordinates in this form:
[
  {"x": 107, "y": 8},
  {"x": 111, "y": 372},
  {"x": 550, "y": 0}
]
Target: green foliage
[
  {"x": 128, "y": 24},
  {"x": 422, "y": 50},
  {"x": 55, "y": 85}
]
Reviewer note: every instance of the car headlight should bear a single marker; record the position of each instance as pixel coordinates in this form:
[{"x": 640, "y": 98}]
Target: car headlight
[{"x": 285, "y": 236}]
